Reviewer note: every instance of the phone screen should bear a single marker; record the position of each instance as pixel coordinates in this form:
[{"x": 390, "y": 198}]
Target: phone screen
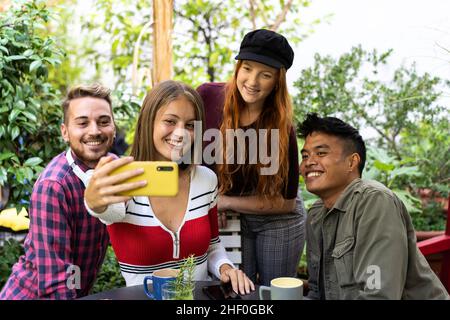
[{"x": 220, "y": 292}]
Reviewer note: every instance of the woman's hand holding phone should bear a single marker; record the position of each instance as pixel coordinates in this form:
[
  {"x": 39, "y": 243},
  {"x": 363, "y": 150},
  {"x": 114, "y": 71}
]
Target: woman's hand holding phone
[{"x": 103, "y": 189}]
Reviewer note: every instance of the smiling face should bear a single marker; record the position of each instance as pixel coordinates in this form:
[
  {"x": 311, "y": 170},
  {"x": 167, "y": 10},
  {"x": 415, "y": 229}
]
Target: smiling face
[
  {"x": 89, "y": 129},
  {"x": 326, "y": 167},
  {"x": 255, "y": 81},
  {"x": 173, "y": 132}
]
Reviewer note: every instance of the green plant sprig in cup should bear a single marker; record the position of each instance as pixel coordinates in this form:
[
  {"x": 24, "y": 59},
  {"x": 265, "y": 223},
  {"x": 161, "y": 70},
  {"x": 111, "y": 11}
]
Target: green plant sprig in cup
[{"x": 183, "y": 285}]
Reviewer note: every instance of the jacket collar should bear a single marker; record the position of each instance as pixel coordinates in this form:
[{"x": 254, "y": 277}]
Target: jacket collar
[
  {"x": 340, "y": 205},
  {"x": 342, "y": 202}
]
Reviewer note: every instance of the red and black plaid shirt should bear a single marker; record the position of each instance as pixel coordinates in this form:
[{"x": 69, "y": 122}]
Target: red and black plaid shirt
[{"x": 62, "y": 235}]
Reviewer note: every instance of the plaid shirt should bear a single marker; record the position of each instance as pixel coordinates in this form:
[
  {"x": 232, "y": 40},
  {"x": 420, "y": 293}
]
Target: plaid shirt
[{"x": 63, "y": 241}]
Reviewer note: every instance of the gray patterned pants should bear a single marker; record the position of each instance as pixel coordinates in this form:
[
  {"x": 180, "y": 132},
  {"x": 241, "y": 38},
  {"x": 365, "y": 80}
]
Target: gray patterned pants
[{"x": 272, "y": 244}]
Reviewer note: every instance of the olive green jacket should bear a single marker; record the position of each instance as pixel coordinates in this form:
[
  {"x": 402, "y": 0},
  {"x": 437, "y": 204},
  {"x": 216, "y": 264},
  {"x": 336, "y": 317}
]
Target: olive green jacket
[{"x": 369, "y": 248}]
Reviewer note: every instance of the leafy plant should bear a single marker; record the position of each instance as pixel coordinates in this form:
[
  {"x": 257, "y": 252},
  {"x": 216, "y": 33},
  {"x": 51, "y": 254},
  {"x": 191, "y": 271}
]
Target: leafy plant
[
  {"x": 402, "y": 112},
  {"x": 387, "y": 170},
  {"x": 428, "y": 146},
  {"x": 30, "y": 114},
  {"x": 351, "y": 87},
  {"x": 10, "y": 253},
  {"x": 109, "y": 276},
  {"x": 431, "y": 218},
  {"x": 183, "y": 285},
  {"x": 393, "y": 173}
]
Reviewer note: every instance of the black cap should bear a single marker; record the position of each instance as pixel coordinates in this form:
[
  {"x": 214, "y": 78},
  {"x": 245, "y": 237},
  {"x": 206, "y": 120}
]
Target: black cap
[{"x": 267, "y": 47}]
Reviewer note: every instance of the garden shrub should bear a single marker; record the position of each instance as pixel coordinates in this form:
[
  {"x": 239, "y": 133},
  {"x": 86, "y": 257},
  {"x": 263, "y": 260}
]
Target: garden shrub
[
  {"x": 30, "y": 112},
  {"x": 9, "y": 253},
  {"x": 109, "y": 276}
]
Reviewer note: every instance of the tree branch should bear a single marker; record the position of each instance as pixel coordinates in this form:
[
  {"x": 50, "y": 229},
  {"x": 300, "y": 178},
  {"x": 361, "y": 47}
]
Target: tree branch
[
  {"x": 252, "y": 13},
  {"x": 6, "y": 25},
  {"x": 282, "y": 16},
  {"x": 263, "y": 17}
]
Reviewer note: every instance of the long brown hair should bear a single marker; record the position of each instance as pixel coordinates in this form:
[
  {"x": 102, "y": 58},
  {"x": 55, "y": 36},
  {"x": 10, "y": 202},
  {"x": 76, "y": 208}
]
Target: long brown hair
[
  {"x": 143, "y": 148},
  {"x": 276, "y": 114}
]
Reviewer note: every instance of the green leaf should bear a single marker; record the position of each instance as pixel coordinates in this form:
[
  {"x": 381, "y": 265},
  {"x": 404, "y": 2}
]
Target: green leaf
[
  {"x": 20, "y": 104},
  {"x": 31, "y": 162},
  {"x": 35, "y": 64},
  {"x": 6, "y": 155},
  {"x": 52, "y": 61},
  {"x": 411, "y": 203},
  {"x": 16, "y": 57},
  {"x": 28, "y": 53},
  {"x": 383, "y": 166},
  {"x": 28, "y": 173},
  {"x": 406, "y": 171},
  {"x": 3, "y": 176},
  {"x": 20, "y": 176},
  {"x": 213, "y": 58},
  {"x": 30, "y": 116},
  {"x": 15, "y": 133},
  {"x": 13, "y": 115}
]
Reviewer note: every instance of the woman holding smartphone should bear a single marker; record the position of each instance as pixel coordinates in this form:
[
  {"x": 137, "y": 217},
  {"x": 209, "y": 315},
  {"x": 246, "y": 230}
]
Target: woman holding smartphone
[
  {"x": 151, "y": 233},
  {"x": 256, "y": 99}
]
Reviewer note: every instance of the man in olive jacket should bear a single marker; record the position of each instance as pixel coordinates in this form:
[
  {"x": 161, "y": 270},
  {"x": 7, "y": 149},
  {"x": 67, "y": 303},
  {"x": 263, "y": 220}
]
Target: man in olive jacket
[{"x": 361, "y": 243}]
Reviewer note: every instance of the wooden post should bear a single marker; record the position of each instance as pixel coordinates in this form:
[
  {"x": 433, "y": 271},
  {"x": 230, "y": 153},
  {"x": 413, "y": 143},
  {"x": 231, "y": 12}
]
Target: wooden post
[{"x": 162, "y": 40}]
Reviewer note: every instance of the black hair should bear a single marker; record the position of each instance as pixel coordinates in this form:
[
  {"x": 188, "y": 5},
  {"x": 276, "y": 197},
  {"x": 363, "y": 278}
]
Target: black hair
[{"x": 336, "y": 127}]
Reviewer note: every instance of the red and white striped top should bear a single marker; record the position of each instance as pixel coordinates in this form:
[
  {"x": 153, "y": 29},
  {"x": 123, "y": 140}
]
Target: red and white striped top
[{"x": 143, "y": 244}]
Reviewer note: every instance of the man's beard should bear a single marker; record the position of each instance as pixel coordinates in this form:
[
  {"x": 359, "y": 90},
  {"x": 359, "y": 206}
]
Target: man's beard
[{"x": 90, "y": 158}]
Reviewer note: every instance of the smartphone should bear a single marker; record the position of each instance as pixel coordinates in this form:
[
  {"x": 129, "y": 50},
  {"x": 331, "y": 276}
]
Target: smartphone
[
  {"x": 161, "y": 176},
  {"x": 221, "y": 292}
]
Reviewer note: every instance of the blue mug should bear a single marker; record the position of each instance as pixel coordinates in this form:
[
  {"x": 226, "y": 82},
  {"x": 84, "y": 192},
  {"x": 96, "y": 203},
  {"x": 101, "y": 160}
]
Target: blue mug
[{"x": 158, "y": 278}]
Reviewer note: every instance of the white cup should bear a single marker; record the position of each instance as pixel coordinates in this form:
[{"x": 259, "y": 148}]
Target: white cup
[{"x": 285, "y": 288}]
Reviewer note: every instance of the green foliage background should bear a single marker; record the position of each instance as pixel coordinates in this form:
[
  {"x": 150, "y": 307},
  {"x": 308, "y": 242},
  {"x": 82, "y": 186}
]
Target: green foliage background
[
  {"x": 10, "y": 253},
  {"x": 109, "y": 276},
  {"x": 30, "y": 114},
  {"x": 410, "y": 148}
]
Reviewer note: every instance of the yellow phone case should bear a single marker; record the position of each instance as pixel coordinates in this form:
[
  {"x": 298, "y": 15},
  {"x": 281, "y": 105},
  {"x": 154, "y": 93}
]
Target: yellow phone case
[{"x": 161, "y": 176}]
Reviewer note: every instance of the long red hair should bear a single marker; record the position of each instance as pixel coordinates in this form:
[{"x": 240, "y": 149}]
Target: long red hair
[{"x": 276, "y": 114}]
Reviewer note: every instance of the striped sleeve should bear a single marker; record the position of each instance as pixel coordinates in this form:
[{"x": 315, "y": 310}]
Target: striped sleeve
[
  {"x": 212, "y": 213},
  {"x": 217, "y": 255},
  {"x": 114, "y": 213}
]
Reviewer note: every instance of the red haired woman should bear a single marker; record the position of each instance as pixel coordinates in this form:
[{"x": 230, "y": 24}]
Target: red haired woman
[{"x": 254, "y": 113}]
